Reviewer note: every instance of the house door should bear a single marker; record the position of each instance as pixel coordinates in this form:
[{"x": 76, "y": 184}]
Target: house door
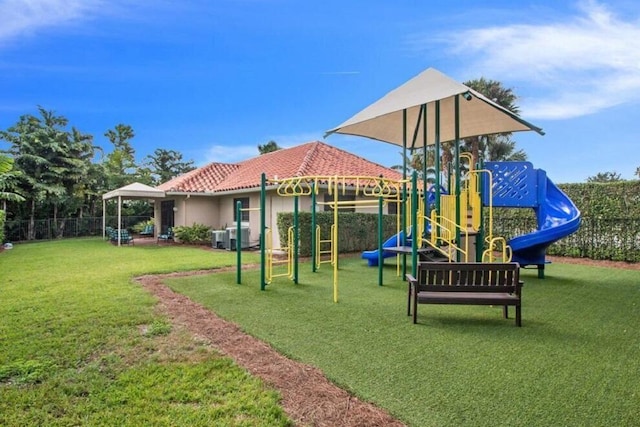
[{"x": 166, "y": 215}]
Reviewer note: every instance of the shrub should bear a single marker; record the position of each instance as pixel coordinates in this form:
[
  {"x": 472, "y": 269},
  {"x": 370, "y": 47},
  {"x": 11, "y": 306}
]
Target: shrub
[{"x": 197, "y": 234}]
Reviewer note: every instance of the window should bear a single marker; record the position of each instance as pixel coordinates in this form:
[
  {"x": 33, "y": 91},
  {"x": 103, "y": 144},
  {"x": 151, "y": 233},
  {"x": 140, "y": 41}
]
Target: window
[
  {"x": 244, "y": 215},
  {"x": 344, "y": 207},
  {"x": 392, "y": 207}
]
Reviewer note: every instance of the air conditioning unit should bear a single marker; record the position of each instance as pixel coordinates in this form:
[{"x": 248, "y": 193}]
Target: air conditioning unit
[
  {"x": 231, "y": 238},
  {"x": 218, "y": 239},
  {"x": 232, "y": 231}
]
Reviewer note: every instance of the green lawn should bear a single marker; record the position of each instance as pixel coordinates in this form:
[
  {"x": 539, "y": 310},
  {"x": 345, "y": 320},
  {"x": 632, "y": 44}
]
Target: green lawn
[
  {"x": 80, "y": 344},
  {"x": 575, "y": 361}
]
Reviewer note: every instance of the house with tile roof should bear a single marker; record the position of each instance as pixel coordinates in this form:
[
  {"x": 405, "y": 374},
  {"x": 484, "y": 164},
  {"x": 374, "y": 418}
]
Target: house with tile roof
[{"x": 208, "y": 195}]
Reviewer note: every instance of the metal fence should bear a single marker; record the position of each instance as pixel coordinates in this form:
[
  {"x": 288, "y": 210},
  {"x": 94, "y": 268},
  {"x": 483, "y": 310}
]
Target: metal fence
[{"x": 47, "y": 229}]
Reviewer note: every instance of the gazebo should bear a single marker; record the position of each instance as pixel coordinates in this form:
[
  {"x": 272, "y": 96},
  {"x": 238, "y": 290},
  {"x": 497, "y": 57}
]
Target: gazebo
[{"x": 135, "y": 191}]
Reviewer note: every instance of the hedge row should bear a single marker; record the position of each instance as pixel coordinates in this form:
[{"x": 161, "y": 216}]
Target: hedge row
[
  {"x": 356, "y": 231},
  {"x": 610, "y": 228},
  {"x": 595, "y": 200}
]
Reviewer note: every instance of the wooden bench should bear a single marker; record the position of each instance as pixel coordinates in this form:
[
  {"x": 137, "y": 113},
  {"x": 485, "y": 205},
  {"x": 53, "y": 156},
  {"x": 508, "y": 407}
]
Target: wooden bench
[{"x": 465, "y": 283}]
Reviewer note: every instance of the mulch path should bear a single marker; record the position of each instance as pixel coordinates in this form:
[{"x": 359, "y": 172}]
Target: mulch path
[{"x": 308, "y": 397}]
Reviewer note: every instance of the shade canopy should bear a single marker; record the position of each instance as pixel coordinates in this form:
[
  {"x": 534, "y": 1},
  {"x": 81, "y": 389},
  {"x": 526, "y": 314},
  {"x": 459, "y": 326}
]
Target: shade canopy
[
  {"x": 131, "y": 191},
  {"x": 478, "y": 115},
  {"x": 135, "y": 191}
]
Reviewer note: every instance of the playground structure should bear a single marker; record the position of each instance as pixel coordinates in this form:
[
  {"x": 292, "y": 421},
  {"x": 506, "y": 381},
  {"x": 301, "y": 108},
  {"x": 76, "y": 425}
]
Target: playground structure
[
  {"x": 443, "y": 110},
  {"x": 498, "y": 184},
  {"x": 449, "y": 222}
]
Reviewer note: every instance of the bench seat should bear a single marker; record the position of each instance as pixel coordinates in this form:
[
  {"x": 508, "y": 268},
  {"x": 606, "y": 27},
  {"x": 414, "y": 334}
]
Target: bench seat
[
  {"x": 465, "y": 283},
  {"x": 468, "y": 298}
]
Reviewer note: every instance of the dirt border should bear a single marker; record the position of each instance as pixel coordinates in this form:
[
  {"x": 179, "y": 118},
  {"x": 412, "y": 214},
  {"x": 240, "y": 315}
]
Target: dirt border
[{"x": 308, "y": 397}]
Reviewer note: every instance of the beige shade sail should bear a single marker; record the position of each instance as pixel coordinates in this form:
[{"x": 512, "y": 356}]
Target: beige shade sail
[{"x": 383, "y": 120}]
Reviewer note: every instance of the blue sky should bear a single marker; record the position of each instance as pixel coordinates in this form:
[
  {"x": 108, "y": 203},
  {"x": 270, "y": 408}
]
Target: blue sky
[{"x": 213, "y": 79}]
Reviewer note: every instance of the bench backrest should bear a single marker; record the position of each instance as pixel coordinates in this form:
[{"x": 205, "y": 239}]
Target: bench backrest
[{"x": 461, "y": 276}]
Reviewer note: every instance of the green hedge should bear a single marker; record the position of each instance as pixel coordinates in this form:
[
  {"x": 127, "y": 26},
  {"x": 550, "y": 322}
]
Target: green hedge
[
  {"x": 356, "y": 231},
  {"x": 595, "y": 200},
  {"x": 610, "y": 228}
]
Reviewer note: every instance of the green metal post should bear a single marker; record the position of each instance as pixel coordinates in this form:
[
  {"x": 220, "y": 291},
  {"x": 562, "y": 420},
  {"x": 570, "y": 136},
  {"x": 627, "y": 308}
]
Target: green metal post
[
  {"x": 313, "y": 228},
  {"x": 404, "y": 189},
  {"x": 417, "y": 128},
  {"x": 263, "y": 229},
  {"x": 295, "y": 239},
  {"x": 238, "y": 244},
  {"x": 437, "y": 155},
  {"x": 380, "y": 232},
  {"x": 424, "y": 168},
  {"x": 457, "y": 171}
]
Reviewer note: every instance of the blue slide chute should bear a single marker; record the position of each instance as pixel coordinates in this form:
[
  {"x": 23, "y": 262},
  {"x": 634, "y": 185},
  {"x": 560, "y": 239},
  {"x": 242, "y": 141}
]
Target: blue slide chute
[
  {"x": 557, "y": 217},
  {"x": 372, "y": 256}
]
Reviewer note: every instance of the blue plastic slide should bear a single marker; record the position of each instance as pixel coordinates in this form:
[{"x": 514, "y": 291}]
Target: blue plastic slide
[
  {"x": 372, "y": 256},
  {"x": 520, "y": 185},
  {"x": 557, "y": 217}
]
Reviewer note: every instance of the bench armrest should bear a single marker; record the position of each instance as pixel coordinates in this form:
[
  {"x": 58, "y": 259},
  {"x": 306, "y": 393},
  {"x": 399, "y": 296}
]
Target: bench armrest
[{"x": 410, "y": 278}]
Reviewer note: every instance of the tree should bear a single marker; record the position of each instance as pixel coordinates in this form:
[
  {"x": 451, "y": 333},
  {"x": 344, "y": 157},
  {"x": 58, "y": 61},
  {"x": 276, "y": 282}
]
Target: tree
[
  {"x": 605, "y": 177},
  {"x": 120, "y": 165},
  {"x": 269, "y": 147},
  {"x": 8, "y": 182},
  {"x": 164, "y": 165},
  {"x": 497, "y": 147},
  {"x": 52, "y": 161},
  {"x": 416, "y": 163}
]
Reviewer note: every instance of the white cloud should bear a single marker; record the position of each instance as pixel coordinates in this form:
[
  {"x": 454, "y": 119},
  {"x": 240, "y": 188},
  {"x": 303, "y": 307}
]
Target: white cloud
[
  {"x": 576, "y": 66},
  {"x": 19, "y": 17}
]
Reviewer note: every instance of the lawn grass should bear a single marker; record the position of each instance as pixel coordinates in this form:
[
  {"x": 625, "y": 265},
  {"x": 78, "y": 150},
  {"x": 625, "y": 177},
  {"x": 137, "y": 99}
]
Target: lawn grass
[
  {"x": 80, "y": 344},
  {"x": 575, "y": 361}
]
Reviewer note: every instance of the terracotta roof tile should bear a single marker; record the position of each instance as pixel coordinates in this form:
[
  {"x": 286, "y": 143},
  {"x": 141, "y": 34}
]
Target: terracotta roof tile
[
  {"x": 201, "y": 180},
  {"x": 310, "y": 159}
]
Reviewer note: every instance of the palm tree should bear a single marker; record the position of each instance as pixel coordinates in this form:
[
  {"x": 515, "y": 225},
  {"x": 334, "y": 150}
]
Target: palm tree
[
  {"x": 498, "y": 146},
  {"x": 416, "y": 163}
]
